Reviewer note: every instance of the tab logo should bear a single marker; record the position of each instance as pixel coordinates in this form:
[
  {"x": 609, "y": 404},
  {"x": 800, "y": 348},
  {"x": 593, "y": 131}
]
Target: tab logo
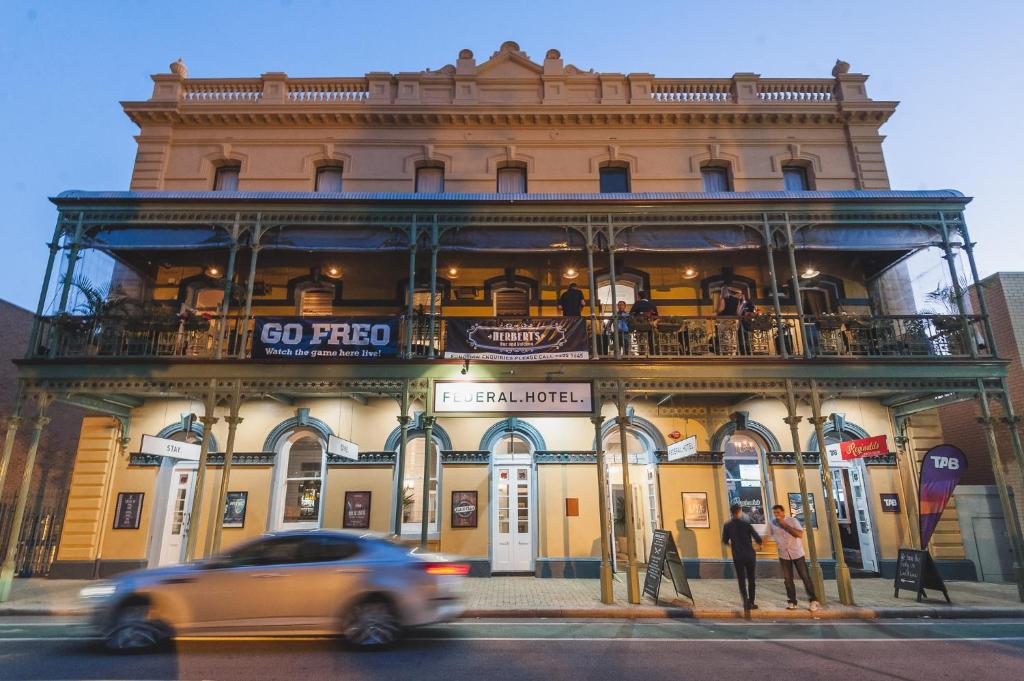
[{"x": 948, "y": 462}]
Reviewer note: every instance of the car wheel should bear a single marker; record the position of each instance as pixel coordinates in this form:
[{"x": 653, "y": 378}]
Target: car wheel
[
  {"x": 371, "y": 624},
  {"x": 134, "y": 630}
]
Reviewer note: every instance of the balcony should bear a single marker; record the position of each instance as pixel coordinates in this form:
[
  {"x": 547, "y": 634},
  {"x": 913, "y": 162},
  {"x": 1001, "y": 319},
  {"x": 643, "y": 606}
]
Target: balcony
[{"x": 719, "y": 339}]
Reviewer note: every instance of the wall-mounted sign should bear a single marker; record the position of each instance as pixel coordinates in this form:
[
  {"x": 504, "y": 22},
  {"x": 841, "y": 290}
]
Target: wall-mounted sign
[
  {"x": 517, "y": 339},
  {"x": 695, "y": 510},
  {"x": 507, "y": 397},
  {"x": 161, "y": 446},
  {"x": 341, "y": 447},
  {"x": 234, "y": 509},
  {"x": 357, "y": 511},
  {"x": 890, "y": 503},
  {"x": 324, "y": 338},
  {"x": 128, "y": 511},
  {"x": 858, "y": 449},
  {"x": 464, "y": 509},
  {"x": 682, "y": 449}
]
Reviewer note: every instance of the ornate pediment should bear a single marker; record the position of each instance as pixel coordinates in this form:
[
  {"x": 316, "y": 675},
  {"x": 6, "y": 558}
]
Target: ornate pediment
[{"x": 510, "y": 62}]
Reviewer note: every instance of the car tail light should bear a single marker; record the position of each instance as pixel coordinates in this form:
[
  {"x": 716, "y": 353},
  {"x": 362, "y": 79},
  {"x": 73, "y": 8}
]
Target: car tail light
[{"x": 458, "y": 569}]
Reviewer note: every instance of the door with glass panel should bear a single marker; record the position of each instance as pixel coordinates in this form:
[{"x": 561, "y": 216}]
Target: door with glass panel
[
  {"x": 512, "y": 544},
  {"x": 176, "y": 520},
  {"x": 747, "y": 480}
]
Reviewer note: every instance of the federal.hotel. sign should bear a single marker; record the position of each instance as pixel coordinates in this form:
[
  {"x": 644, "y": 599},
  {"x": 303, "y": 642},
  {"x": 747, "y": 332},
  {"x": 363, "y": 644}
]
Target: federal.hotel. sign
[{"x": 510, "y": 397}]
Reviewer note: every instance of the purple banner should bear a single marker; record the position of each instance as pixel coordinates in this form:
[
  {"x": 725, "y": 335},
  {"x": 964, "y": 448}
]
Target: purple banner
[{"x": 940, "y": 472}]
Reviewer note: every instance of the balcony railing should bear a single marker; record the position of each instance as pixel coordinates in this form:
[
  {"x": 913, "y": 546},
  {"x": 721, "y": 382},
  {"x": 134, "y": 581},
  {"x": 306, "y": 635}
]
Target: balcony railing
[{"x": 711, "y": 338}]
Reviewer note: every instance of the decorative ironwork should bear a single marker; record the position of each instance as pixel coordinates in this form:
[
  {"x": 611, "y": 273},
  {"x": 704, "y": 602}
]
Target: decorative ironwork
[
  {"x": 884, "y": 460},
  {"x": 777, "y": 458},
  {"x": 465, "y": 456},
  {"x": 707, "y": 458},
  {"x": 583, "y": 456},
  {"x": 365, "y": 459}
]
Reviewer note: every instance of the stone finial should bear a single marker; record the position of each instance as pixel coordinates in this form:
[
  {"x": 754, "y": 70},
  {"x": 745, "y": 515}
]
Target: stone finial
[
  {"x": 509, "y": 46},
  {"x": 179, "y": 69},
  {"x": 553, "y": 54},
  {"x": 466, "y": 53},
  {"x": 840, "y": 69}
]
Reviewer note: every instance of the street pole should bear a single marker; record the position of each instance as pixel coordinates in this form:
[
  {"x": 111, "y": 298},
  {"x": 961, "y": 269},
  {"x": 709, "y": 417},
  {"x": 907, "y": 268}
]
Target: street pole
[
  {"x": 842, "y": 571},
  {"x": 7, "y": 569},
  {"x": 607, "y": 594},
  {"x": 793, "y": 421},
  {"x": 632, "y": 570}
]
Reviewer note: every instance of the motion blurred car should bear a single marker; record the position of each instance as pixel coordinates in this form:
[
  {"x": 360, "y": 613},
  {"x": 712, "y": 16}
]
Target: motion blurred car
[{"x": 366, "y": 589}]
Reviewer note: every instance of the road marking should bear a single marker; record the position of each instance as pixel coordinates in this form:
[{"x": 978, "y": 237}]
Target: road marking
[
  {"x": 714, "y": 623},
  {"x": 722, "y": 640}
]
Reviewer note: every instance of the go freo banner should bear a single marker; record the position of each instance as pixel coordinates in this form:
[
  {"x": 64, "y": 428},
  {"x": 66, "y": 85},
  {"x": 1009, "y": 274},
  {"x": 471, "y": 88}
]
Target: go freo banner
[
  {"x": 325, "y": 338},
  {"x": 941, "y": 470},
  {"x": 516, "y": 339}
]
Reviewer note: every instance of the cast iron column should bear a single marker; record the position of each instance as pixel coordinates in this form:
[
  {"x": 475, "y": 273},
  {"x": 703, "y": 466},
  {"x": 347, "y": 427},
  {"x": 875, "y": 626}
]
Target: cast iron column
[
  {"x": 433, "y": 287},
  {"x": 410, "y": 323},
  {"x": 632, "y": 570},
  {"x": 607, "y": 594},
  {"x": 617, "y": 338},
  {"x": 842, "y": 571},
  {"x": 54, "y": 246},
  {"x": 208, "y": 420},
  {"x": 798, "y": 298},
  {"x": 403, "y": 443},
  {"x": 217, "y": 512},
  {"x": 592, "y": 283},
  {"x": 958, "y": 291},
  {"x": 428, "y": 452},
  {"x": 793, "y": 421},
  {"x": 978, "y": 288},
  {"x": 11, "y": 425},
  {"x": 229, "y": 285},
  {"x": 772, "y": 279}
]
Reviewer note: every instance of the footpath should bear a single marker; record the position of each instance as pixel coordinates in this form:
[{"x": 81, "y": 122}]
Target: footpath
[{"x": 528, "y": 597}]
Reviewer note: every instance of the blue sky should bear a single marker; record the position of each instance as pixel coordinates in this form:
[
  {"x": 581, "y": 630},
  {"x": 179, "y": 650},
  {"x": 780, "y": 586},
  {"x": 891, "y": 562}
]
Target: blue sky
[{"x": 955, "y": 66}]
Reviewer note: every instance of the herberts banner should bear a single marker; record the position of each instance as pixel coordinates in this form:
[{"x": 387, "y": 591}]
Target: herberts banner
[
  {"x": 318, "y": 338},
  {"x": 516, "y": 340},
  {"x": 858, "y": 449},
  {"x": 941, "y": 470}
]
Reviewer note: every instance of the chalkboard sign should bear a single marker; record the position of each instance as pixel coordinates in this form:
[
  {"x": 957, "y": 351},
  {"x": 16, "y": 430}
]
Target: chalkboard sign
[
  {"x": 916, "y": 571},
  {"x": 128, "y": 510},
  {"x": 664, "y": 554}
]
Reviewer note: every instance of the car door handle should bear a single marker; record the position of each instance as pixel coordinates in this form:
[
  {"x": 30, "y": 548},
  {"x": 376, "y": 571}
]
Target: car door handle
[{"x": 269, "y": 575}]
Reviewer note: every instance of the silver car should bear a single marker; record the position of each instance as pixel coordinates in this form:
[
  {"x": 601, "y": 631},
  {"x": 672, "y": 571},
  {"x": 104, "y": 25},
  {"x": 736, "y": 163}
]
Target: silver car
[{"x": 314, "y": 582}]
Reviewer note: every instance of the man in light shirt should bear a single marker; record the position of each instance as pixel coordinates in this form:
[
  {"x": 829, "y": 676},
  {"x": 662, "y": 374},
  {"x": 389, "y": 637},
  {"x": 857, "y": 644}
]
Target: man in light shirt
[{"x": 788, "y": 533}]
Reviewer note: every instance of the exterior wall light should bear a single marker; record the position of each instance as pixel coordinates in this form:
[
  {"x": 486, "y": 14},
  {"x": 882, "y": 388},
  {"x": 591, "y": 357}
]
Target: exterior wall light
[
  {"x": 453, "y": 272},
  {"x": 809, "y": 273},
  {"x": 571, "y": 273},
  {"x": 213, "y": 271},
  {"x": 333, "y": 271},
  {"x": 690, "y": 273}
]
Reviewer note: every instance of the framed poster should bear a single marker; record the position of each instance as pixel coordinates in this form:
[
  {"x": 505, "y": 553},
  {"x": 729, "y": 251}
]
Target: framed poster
[
  {"x": 128, "y": 511},
  {"x": 796, "y": 508},
  {"x": 357, "y": 511},
  {"x": 234, "y": 509},
  {"x": 464, "y": 509},
  {"x": 695, "y": 510}
]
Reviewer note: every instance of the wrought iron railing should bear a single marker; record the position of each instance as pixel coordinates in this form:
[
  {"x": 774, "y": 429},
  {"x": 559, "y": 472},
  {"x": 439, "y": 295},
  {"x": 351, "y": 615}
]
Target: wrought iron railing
[
  {"x": 709, "y": 337},
  {"x": 38, "y": 540}
]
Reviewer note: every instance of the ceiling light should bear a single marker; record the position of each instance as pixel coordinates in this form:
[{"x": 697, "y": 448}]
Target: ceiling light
[
  {"x": 690, "y": 273},
  {"x": 809, "y": 273},
  {"x": 213, "y": 271},
  {"x": 333, "y": 271},
  {"x": 453, "y": 272},
  {"x": 571, "y": 273}
]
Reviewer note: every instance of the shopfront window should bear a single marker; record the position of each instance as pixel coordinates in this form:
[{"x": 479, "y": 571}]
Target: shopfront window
[
  {"x": 300, "y": 474},
  {"x": 744, "y": 476},
  {"x": 412, "y": 487}
]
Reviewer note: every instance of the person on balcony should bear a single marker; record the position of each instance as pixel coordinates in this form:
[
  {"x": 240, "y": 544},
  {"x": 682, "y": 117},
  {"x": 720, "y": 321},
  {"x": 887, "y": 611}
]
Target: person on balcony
[
  {"x": 643, "y": 307},
  {"x": 571, "y": 301},
  {"x": 728, "y": 335},
  {"x": 618, "y": 325}
]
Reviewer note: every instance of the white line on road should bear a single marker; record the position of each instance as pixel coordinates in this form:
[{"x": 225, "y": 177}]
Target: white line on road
[
  {"x": 715, "y": 623},
  {"x": 721, "y": 640}
]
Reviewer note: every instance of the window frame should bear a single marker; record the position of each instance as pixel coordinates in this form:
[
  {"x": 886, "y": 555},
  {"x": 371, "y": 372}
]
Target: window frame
[
  {"x": 722, "y": 169},
  {"x": 414, "y": 528},
  {"x": 519, "y": 168},
  {"x": 330, "y": 167},
  {"x": 432, "y": 167},
  {"x": 281, "y": 480},
  {"x": 609, "y": 170},
  {"x": 224, "y": 169},
  {"x": 805, "y": 175}
]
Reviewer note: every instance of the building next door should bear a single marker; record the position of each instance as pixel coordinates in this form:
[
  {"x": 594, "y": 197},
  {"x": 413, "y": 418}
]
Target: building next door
[
  {"x": 512, "y": 531},
  {"x": 177, "y": 519}
]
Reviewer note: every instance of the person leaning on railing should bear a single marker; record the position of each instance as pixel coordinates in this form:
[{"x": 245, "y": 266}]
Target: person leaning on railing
[{"x": 619, "y": 325}]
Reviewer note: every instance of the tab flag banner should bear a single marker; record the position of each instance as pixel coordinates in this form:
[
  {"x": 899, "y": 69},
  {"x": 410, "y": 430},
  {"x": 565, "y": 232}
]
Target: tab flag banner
[{"x": 941, "y": 470}]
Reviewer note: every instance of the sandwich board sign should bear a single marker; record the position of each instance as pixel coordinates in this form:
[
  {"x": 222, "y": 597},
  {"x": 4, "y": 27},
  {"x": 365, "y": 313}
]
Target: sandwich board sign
[{"x": 665, "y": 554}]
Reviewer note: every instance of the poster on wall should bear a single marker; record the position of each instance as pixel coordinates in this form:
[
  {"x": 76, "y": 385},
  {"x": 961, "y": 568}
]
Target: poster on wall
[
  {"x": 234, "y": 509},
  {"x": 796, "y": 508},
  {"x": 526, "y": 340},
  {"x": 325, "y": 338},
  {"x": 941, "y": 469},
  {"x": 464, "y": 509},
  {"x": 357, "y": 511},
  {"x": 695, "y": 510},
  {"x": 128, "y": 511}
]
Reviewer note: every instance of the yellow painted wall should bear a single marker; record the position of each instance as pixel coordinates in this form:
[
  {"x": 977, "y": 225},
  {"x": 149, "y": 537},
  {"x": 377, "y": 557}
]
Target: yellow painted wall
[
  {"x": 471, "y": 542},
  {"x": 674, "y": 479},
  {"x": 787, "y": 481},
  {"x": 348, "y": 478},
  {"x": 558, "y": 535},
  {"x": 892, "y": 530}
]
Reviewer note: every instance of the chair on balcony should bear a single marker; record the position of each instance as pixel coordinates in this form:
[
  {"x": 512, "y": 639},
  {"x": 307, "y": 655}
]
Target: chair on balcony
[{"x": 667, "y": 336}]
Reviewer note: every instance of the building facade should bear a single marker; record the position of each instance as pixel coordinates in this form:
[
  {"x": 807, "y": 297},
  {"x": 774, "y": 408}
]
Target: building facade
[{"x": 304, "y": 268}]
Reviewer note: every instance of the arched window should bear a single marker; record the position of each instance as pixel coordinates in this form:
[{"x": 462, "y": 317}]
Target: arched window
[
  {"x": 315, "y": 299},
  {"x": 299, "y": 473},
  {"x": 746, "y": 479},
  {"x": 412, "y": 486}
]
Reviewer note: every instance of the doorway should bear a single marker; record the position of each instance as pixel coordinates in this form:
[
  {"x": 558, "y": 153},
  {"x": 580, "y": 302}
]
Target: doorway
[
  {"x": 177, "y": 514},
  {"x": 512, "y": 530},
  {"x": 850, "y": 494},
  {"x": 746, "y": 479},
  {"x": 643, "y": 482}
]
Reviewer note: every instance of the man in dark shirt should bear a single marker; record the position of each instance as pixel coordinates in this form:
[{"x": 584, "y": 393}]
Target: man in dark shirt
[
  {"x": 740, "y": 535},
  {"x": 644, "y": 307},
  {"x": 571, "y": 301}
]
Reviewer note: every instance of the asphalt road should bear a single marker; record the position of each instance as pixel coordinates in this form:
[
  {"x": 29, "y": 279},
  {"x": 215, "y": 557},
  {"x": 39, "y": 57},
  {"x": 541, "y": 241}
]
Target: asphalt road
[{"x": 551, "y": 650}]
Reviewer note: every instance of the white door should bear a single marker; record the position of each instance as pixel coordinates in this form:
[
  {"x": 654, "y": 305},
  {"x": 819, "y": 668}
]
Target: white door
[
  {"x": 862, "y": 517},
  {"x": 513, "y": 520},
  {"x": 177, "y": 519}
]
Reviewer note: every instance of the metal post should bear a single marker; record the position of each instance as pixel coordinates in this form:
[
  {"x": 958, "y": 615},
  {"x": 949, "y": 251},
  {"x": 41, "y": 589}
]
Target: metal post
[
  {"x": 54, "y": 246},
  {"x": 7, "y": 570},
  {"x": 592, "y": 283},
  {"x": 607, "y": 594},
  {"x": 1012, "y": 421},
  {"x": 1010, "y": 516},
  {"x": 632, "y": 573},
  {"x": 65, "y": 291},
  {"x": 403, "y": 443},
  {"x": 979, "y": 289},
  {"x": 208, "y": 420},
  {"x": 958, "y": 291},
  {"x": 428, "y": 453},
  {"x": 772, "y": 278},
  {"x": 616, "y": 340},
  {"x": 793, "y": 421},
  {"x": 798, "y": 298},
  {"x": 410, "y": 324},
  {"x": 433, "y": 286},
  {"x": 229, "y": 285},
  {"x": 12, "y": 423},
  {"x": 842, "y": 571},
  {"x": 217, "y": 511},
  {"x": 255, "y": 249}
]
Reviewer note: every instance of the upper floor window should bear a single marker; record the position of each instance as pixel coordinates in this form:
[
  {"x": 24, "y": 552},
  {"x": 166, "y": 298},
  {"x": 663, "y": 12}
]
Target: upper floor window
[
  {"x": 430, "y": 180},
  {"x": 226, "y": 178},
  {"x": 716, "y": 179},
  {"x": 795, "y": 178},
  {"x": 511, "y": 302},
  {"x": 512, "y": 180},
  {"x": 316, "y": 302},
  {"x": 328, "y": 179},
  {"x": 614, "y": 180}
]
